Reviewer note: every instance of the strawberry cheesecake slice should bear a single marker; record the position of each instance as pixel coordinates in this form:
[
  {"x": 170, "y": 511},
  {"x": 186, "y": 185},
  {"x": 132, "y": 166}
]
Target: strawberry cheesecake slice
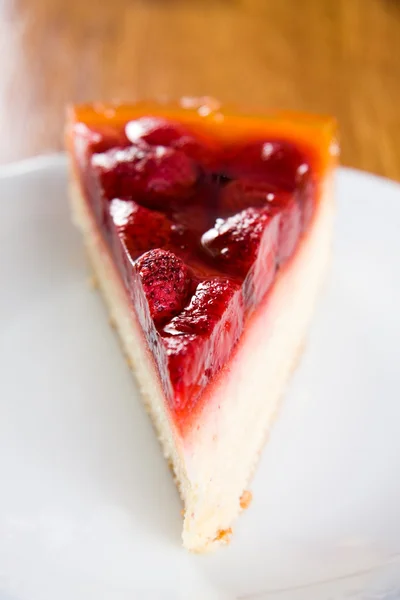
[{"x": 209, "y": 234}]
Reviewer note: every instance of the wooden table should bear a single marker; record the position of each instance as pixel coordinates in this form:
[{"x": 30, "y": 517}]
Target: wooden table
[{"x": 334, "y": 56}]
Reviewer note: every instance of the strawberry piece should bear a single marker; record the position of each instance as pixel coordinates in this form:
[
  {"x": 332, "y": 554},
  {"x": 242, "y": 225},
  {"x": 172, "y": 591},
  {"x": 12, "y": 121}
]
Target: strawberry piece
[
  {"x": 143, "y": 229},
  {"x": 200, "y": 339},
  {"x": 265, "y": 265},
  {"x": 118, "y": 169},
  {"x": 287, "y": 206},
  {"x": 157, "y": 131},
  {"x": 139, "y": 228},
  {"x": 243, "y": 193},
  {"x": 150, "y": 175},
  {"x": 305, "y": 194},
  {"x": 290, "y": 226},
  {"x": 205, "y": 309},
  {"x": 99, "y": 138},
  {"x": 234, "y": 242},
  {"x": 166, "y": 283},
  {"x": 279, "y": 162},
  {"x": 171, "y": 173}
]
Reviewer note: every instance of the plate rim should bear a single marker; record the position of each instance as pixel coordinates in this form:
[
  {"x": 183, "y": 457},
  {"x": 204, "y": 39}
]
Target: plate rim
[{"x": 31, "y": 164}]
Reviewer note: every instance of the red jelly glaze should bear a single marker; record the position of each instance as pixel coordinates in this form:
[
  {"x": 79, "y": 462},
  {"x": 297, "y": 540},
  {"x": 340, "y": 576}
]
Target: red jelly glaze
[{"x": 204, "y": 225}]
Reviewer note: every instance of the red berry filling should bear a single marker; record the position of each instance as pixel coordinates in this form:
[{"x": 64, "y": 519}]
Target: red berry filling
[{"x": 198, "y": 228}]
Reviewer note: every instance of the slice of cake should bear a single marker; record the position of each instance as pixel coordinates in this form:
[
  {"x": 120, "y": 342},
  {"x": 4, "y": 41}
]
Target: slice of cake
[{"x": 209, "y": 234}]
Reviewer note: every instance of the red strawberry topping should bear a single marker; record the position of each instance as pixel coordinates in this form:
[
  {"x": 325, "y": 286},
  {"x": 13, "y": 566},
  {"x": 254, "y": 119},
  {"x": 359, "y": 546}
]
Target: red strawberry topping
[{"x": 197, "y": 227}]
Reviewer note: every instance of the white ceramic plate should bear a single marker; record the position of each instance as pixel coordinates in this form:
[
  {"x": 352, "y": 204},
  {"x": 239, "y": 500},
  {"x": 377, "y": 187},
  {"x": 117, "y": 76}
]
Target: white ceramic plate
[{"x": 87, "y": 506}]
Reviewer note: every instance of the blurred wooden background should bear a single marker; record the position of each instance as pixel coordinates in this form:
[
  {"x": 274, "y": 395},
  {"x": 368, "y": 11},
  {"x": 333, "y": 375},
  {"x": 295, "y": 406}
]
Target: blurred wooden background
[{"x": 335, "y": 56}]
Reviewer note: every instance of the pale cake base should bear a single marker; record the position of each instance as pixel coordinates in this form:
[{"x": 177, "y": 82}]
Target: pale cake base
[{"x": 215, "y": 460}]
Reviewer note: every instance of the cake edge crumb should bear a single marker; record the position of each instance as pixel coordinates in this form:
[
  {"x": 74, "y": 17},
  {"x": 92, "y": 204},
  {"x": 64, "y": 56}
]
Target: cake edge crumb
[{"x": 245, "y": 499}]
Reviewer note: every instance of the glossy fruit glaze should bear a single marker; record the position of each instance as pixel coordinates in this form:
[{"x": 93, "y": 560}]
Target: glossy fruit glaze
[{"x": 198, "y": 225}]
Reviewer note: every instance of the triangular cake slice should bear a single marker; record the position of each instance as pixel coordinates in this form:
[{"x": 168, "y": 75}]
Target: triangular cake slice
[{"x": 209, "y": 234}]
